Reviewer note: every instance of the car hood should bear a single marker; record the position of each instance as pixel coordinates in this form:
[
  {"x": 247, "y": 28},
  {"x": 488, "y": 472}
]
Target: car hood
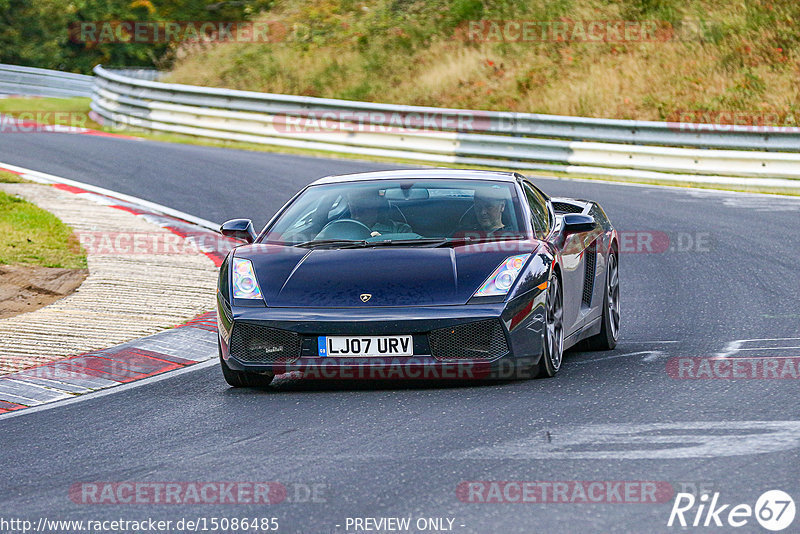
[{"x": 393, "y": 276}]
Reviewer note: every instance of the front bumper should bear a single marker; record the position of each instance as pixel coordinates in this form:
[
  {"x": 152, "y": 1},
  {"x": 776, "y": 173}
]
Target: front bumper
[{"x": 467, "y": 341}]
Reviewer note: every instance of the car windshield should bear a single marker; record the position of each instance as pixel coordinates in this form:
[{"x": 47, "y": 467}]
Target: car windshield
[{"x": 408, "y": 211}]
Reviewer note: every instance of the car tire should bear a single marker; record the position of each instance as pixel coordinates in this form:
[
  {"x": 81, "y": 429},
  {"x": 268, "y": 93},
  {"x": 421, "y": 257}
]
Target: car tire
[
  {"x": 609, "y": 329},
  {"x": 243, "y": 379},
  {"x": 553, "y": 345}
]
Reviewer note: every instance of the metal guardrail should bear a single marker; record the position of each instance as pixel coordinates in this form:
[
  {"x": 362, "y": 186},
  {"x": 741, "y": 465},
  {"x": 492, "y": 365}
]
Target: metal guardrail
[
  {"x": 511, "y": 140},
  {"x": 133, "y": 97},
  {"x": 16, "y": 80},
  {"x": 506, "y": 123},
  {"x": 140, "y": 73}
]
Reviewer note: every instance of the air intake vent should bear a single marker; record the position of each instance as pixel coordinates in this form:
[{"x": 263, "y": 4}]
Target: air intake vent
[
  {"x": 481, "y": 340},
  {"x": 564, "y": 207},
  {"x": 261, "y": 344},
  {"x": 590, "y": 257}
]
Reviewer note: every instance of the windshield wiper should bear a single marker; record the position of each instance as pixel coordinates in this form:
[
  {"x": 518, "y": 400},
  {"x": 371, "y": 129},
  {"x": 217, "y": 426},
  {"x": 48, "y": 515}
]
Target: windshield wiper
[
  {"x": 406, "y": 242},
  {"x": 323, "y": 242},
  {"x": 433, "y": 241},
  {"x": 481, "y": 239}
]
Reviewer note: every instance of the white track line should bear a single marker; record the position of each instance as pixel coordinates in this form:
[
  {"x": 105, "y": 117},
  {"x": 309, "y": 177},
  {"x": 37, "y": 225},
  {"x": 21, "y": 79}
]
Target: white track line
[
  {"x": 770, "y": 348},
  {"x": 43, "y": 177},
  {"x": 644, "y": 342},
  {"x": 649, "y": 356}
]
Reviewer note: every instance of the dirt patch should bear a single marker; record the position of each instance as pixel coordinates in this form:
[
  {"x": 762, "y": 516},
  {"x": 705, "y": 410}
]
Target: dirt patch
[{"x": 25, "y": 288}]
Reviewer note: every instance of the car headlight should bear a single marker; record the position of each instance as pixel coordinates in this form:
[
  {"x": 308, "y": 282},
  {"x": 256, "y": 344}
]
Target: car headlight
[
  {"x": 245, "y": 285},
  {"x": 503, "y": 277}
]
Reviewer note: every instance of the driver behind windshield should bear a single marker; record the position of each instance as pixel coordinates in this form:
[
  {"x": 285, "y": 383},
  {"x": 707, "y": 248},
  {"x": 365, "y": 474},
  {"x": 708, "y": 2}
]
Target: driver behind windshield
[
  {"x": 488, "y": 206},
  {"x": 371, "y": 209}
]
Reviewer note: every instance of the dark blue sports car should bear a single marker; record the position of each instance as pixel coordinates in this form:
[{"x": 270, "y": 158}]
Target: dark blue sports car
[{"x": 417, "y": 274}]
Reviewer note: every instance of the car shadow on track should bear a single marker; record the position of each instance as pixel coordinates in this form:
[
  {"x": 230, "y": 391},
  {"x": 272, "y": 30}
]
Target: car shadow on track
[{"x": 295, "y": 384}]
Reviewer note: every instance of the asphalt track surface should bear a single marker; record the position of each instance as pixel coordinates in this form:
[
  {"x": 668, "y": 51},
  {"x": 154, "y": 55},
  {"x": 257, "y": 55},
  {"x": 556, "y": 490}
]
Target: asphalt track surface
[{"x": 400, "y": 450}]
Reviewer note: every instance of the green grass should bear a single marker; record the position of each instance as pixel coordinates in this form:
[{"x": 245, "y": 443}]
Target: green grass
[
  {"x": 65, "y": 111},
  {"x": 78, "y": 103},
  {"x": 30, "y": 235},
  {"x": 82, "y": 105},
  {"x": 11, "y": 178}
]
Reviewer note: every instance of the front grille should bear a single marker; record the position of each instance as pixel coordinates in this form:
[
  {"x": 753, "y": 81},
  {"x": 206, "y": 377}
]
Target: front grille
[
  {"x": 481, "y": 340},
  {"x": 588, "y": 277},
  {"x": 261, "y": 344},
  {"x": 564, "y": 207}
]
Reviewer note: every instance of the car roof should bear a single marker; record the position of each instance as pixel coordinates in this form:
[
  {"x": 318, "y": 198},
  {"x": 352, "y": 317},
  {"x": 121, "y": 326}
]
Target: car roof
[{"x": 459, "y": 174}]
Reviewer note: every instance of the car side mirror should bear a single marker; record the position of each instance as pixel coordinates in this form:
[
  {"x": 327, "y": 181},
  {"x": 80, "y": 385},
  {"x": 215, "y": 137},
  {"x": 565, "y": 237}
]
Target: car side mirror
[
  {"x": 576, "y": 222},
  {"x": 239, "y": 229}
]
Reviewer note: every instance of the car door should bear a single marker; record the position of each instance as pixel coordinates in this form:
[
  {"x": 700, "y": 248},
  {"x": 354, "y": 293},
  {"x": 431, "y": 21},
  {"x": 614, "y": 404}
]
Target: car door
[{"x": 572, "y": 257}]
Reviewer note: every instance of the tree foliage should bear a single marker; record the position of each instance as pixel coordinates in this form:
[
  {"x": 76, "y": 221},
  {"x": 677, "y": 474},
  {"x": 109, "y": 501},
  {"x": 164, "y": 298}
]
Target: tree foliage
[{"x": 37, "y": 32}]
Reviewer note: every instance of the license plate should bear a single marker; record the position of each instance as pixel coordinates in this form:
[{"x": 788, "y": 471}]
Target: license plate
[{"x": 365, "y": 346}]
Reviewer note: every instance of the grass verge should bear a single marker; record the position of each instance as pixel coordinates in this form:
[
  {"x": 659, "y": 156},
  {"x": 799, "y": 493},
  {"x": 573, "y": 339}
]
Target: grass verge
[
  {"x": 64, "y": 111},
  {"x": 11, "y": 178},
  {"x": 706, "y": 56},
  {"x": 31, "y": 235}
]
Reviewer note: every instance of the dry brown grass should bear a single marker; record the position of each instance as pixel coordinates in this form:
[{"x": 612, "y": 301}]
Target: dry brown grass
[{"x": 745, "y": 60}]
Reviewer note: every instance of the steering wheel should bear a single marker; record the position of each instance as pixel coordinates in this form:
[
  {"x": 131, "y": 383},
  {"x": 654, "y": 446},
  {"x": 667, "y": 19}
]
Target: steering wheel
[{"x": 345, "y": 229}]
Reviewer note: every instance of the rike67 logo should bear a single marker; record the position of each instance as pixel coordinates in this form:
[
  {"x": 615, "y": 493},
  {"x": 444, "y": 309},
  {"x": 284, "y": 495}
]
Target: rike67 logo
[{"x": 774, "y": 510}]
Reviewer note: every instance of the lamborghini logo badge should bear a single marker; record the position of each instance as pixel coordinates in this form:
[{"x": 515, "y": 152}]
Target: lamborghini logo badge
[{"x": 365, "y": 297}]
